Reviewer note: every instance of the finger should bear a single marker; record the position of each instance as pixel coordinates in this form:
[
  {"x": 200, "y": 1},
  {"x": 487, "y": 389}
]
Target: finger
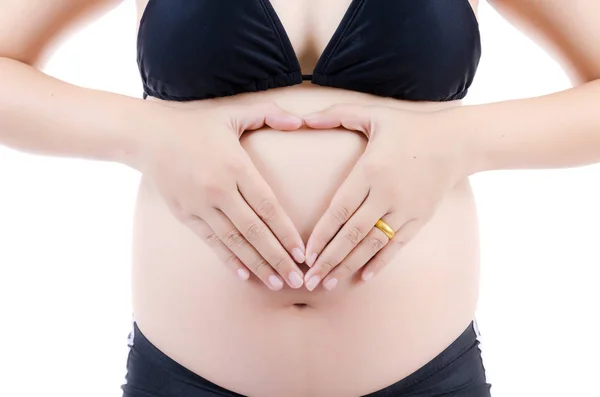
[
  {"x": 202, "y": 230},
  {"x": 403, "y": 236},
  {"x": 258, "y": 234},
  {"x": 352, "y": 117},
  {"x": 373, "y": 243},
  {"x": 260, "y": 197},
  {"x": 235, "y": 241},
  {"x": 349, "y": 237},
  {"x": 252, "y": 117},
  {"x": 346, "y": 200}
]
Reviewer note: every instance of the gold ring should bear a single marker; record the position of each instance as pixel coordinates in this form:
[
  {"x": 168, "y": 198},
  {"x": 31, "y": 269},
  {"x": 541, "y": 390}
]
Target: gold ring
[{"x": 385, "y": 228}]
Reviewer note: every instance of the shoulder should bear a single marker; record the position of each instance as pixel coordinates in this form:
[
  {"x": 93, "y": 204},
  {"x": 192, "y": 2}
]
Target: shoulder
[
  {"x": 29, "y": 28},
  {"x": 569, "y": 30}
]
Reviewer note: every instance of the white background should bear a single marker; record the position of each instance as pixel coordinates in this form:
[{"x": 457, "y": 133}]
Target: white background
[{"x": 65, "y": 229}]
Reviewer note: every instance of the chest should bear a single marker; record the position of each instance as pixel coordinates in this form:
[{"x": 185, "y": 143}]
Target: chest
[
  {"x": 421, "y": 50},
  {"x": 309, "y": 24}
]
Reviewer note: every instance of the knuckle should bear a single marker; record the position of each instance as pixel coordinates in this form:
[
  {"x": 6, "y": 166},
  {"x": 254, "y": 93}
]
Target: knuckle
[
  {"x": 399, "y": 241},
  {"x": 346, "y": 268},
  {"x": 261, "y": 267},
  {"x": 340, "y": 213},
  {"x": 264, "y": 108},
  {"x": 284, "y": 240},
  {"x": 397, "y": 193},
  {"x": 320, "y": 241},
  {"x": 338, "y": 107},
  {"x": 372, "y": 168},
  {"x": 213, "y": 190},
  {"x": 232, "y": 261},
  {"x": 266, "y": 210},
  {"x": 269, "y": 106},
  {"x": 354, "y": 235},
  {"x": 256, "y": 233},
  {"x": 375, "y": 243},
  {"x": 326, "y": 267},
  {"x": 177, "y": 210},
  {"x": 180, "y": 214},
  {"x": 279, "y": 264},
  {"x": 212, "y": 239},
  {"x": 234, "y": 238},
  {"x": 235, "y": 165}
]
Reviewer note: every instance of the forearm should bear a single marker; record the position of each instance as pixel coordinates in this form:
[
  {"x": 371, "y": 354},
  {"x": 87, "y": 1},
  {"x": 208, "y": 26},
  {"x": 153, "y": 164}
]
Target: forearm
[
  {"x": 43, "y": 115},
  {"x": 559, "y": 130}
]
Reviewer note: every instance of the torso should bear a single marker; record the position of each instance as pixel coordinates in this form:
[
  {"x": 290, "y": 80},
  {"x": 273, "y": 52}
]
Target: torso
[{"x": 352, "y": 341}]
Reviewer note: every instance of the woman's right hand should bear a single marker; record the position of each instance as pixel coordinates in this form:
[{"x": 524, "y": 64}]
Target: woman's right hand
[{"x": 196, "y": 161}]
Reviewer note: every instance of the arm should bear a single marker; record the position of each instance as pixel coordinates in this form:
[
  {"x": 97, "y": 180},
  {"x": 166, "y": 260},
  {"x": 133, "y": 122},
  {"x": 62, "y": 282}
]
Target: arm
[
  {"x": 43, "y": 115},
  {"x": 202, "y": 173},
  {"x": 427, "y": 154},
  {"x": 556, "y": 130}
]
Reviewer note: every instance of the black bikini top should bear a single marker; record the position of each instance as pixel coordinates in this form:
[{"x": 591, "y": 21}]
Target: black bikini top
[{"x": 425, "y": 50}]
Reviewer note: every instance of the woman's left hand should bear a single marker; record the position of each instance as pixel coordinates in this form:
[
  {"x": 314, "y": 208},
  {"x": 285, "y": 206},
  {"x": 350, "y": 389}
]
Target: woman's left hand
[{"x": 411, "y": 161}]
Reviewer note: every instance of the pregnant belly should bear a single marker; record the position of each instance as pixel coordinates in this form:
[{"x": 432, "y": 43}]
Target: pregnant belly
[{"x": 353, "y": 340}]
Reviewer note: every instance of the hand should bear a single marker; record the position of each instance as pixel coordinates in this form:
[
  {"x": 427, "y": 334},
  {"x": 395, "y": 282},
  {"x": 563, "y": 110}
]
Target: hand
[
  {"x": 197, "y": 163},
  {"x": 411, "y": 160}
]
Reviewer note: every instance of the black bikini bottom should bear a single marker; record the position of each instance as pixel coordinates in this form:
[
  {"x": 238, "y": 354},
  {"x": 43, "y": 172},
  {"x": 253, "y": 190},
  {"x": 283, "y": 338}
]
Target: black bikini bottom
[{"x": 457, "y": 371}]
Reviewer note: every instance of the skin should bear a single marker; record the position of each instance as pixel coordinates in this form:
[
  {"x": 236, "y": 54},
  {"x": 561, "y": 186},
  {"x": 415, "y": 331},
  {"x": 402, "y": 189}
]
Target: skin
[
  {"x": 236, "y": 333},
  {"x": 408, "y": 209}
]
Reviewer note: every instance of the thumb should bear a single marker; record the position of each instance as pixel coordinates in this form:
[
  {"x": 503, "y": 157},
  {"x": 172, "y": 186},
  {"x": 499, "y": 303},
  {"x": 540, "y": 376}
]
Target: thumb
[
  {"x": 256, "y": 116},
  {"x": 351, "y": 117}
]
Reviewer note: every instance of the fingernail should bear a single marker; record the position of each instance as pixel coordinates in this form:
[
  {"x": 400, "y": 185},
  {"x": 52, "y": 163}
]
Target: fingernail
[
  {"x": 311, "y": 260},
  {"x": 298, "y": 255},
  {"x": 330, "y": 284},
  {"x": 243, "y": 273},
  {"x": 275, "y": 281},
  {"x": 367, "y": 276},
  {"x": 312, "y": 283},
  {"x": 296, "y": 280}
]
